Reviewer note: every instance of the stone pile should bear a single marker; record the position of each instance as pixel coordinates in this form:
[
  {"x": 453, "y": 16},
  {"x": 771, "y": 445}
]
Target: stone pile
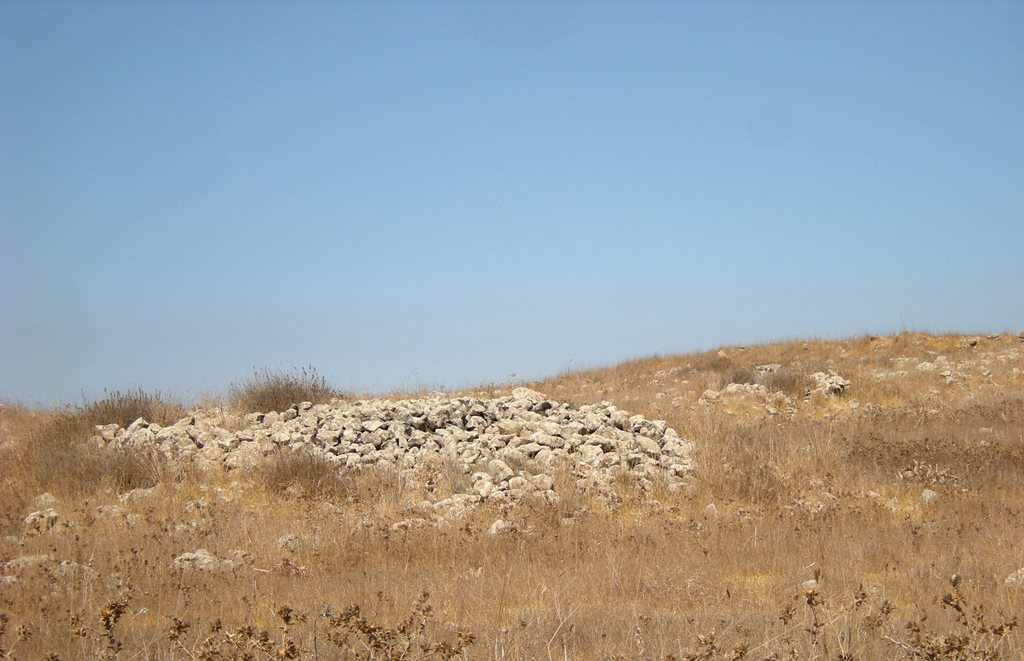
[{"x": 500, "y": 448}]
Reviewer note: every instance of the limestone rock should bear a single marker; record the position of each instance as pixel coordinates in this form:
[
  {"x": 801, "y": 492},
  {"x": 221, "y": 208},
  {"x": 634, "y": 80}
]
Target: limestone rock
[
  {"x": 41, "y": 521},
  {"x": 25, "y": 562},
  {"x": 499, "y": 526},
  {"x": 201, "y": 560},
  {"x": 289, "y": 542},
  {"x": 830, "y": 384},
  {"x": 509, "y": 444}
]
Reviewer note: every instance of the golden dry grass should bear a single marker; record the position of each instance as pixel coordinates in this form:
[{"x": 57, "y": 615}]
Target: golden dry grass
[
  {"x": 823, "y": 488},
  {"x": 276, "y": 391}
]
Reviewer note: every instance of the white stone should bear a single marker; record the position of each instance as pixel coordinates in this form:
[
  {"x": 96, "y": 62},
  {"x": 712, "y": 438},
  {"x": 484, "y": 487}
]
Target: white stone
[
  {"x": 39, "y": 522},
  {"x": 289, "y": 542},
  {"x": 488, "y": 441},
  {"x": 499, "y": 526},
  {"x": 201, "y": 560}
]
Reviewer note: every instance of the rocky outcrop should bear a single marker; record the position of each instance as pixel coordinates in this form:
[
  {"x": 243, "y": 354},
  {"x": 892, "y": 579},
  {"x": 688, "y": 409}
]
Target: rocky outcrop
[
  {"x": 505, "y": 447},
  {"x": 40, "y": 522},
  {"x": 830, "y": 384}
]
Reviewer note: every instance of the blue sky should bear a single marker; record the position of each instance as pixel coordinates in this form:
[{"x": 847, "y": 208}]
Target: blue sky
[{"x": 452, "y": 193}]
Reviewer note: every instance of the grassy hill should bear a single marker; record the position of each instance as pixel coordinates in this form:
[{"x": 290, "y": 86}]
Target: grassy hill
[{"x": 878, "y": 518}]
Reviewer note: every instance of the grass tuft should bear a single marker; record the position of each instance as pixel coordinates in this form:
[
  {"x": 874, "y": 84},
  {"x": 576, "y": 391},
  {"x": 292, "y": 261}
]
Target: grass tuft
[
  {"x": 268, "y": 391},
  {"x": 58, "y": 456},
  {"x": 301, "y": 473},
  {"x": 126, "y": 407},
  {"x": 737, "y": 375}
]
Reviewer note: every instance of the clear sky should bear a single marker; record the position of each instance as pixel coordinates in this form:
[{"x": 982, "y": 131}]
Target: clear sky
[{"x": 409, "y": 194}]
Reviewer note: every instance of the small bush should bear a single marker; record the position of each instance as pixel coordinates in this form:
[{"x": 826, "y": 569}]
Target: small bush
[
  {"x": 786, "y": 381},
  {"x": 134, "y": 468},
  {"x": 710, "y": 362},
  {"x": 973, "y": 637},
  {"x": 124, "y": 408},
  {"x": 301, "y": 472},
  {"x": 356, "y": 637},
  {"x": 738, "y": 375},
  {"x": 58, "y": 461},
  {"x": 58, "y": 456},
  {"x": 267, "y": 391}
]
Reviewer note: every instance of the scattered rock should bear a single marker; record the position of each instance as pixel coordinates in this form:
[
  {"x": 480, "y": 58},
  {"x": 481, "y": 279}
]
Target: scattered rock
[
  {"x": 1015, "y": 580},
  {"x": 40, "y": 522},
  {"x": 499, "y": 526},
  {"x": 201, "y": 560},
  {"x": 830, "y": 384},
  {"x": 24, "y": 562},
  {"x": 709, "y": 396},
  {"x": 747, "y": 398},
  {"x": 408, "y": 524},
  {"x": 928, "y": 496},
  {"x": 744, "y": 389},
  {"x": 139, "y": 495},
  {"x": 194, "y": 506},
  {"x": 289, "y": 542}
]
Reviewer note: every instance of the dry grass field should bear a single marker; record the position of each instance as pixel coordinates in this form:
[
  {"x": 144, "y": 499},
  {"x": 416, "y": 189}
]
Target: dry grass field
[{"x": 882, "y": 522}]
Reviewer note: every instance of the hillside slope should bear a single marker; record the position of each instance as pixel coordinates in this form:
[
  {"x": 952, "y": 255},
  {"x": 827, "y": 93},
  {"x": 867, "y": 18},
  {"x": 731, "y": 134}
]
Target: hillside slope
[{"x": 849, "y": 499}]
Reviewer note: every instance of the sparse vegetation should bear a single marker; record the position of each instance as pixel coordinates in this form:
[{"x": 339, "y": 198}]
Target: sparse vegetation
[
  {"x": 738, "y": 375},
  {"x": 301, "y": 473},
  {"x": 785, "y": 380},
  {"x": 276, "y": 391},
  {"x": 802, "y": 534},
  {"x": 56, "y": 455},
  {"x": 124, "y": 408}
]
